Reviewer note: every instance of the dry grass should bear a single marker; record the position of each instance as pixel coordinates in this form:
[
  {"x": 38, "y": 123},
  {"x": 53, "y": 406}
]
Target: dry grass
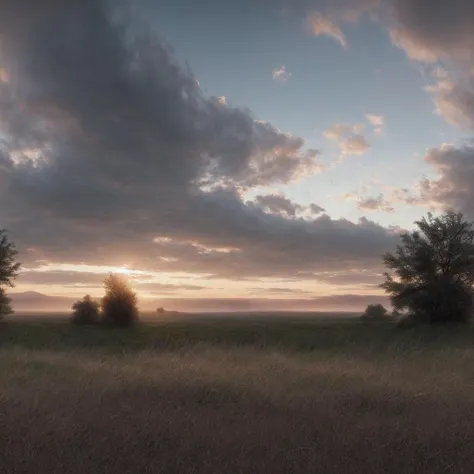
[{"x": 205, "y": 408}]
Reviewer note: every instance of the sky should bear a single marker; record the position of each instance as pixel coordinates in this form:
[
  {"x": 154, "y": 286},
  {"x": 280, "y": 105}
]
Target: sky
[{"x": 244, "y": 152}]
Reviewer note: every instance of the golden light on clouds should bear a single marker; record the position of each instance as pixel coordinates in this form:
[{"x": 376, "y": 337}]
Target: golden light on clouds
[
  {"x": 85, "y": 268},
  {"x": 4, "y": 77}
]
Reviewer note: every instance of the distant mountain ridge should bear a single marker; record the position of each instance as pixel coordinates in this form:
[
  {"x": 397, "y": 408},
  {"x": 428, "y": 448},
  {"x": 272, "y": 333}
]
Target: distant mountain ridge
[{"x": 33, "y": 301}]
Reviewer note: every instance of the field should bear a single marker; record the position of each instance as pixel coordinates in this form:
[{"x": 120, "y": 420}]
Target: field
[{"x": 236, "y": 395}]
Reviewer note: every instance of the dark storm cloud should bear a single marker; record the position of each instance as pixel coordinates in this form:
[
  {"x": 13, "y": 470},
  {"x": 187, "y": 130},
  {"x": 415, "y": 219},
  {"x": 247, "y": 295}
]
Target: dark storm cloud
[{"x": 108, "y": 143}]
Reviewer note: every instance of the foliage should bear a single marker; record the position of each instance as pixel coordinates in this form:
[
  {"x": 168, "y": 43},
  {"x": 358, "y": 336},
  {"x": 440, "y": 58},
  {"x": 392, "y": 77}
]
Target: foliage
[
  {"x": 8, "y": 271},
  {"x": 434, "y": 270},
  {"x": 85, "y": 311},
  {"x": 8, "y": 266},
  {"x": 5, "y": 306},
  {"x": 119, "y": 305},
  {"x": 374, "y": 312}
]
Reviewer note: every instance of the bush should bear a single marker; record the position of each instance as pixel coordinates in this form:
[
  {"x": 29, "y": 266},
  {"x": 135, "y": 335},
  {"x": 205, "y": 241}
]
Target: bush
[
  {"x": 374, "y": 312},
  {"x": 85, "y": 311},
  {"x": 119, "y": 305}
]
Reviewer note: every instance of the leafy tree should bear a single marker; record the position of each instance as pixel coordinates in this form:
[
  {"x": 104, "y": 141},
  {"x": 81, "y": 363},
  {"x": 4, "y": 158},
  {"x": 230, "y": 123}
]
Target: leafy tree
[
  {"x": 5, "y": 304},
  {"x": 119, "y": 305},
  {"x": 85, "y": 311},
  {"x": 434, "y": 270},
  {"x": 8, "y": 271},
  {"x": 374, "y": 312}
]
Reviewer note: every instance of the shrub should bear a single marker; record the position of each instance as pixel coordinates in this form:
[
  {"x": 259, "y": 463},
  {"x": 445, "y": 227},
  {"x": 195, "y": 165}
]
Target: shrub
[
  {"x": 85, "y": 311},
  {"x": 374, "y": 312},
  {"x": 119, "y": 305}
]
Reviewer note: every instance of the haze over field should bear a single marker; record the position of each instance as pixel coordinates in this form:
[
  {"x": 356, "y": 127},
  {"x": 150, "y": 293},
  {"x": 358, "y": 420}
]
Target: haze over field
[
  {"x": 229, "y": 156},
  {"x": 34, "y": 302}
]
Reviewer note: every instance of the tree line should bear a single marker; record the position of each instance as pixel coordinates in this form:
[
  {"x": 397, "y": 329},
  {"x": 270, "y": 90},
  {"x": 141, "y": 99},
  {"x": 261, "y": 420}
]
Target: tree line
[{"x": 429, "y": 278}]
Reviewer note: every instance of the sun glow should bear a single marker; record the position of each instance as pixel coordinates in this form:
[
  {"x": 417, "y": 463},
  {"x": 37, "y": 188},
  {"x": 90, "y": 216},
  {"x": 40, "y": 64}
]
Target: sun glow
[{"x": 125, "y": 271}]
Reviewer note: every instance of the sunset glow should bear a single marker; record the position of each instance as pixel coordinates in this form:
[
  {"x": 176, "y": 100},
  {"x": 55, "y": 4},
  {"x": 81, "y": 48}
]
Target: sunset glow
[{"x": 274, "y": 159}]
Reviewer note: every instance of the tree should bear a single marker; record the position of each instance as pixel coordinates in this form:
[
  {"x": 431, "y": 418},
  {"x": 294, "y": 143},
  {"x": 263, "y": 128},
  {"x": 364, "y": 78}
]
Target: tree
[
  {"x": 85, "y": 311},
  {"x": 434, "y": 270},
  {"x": 8, "y": 271},
  {"x": 119, "y": 305},
  {"x": 374, "y": 312},
  {"x": 5, "y": 304}
]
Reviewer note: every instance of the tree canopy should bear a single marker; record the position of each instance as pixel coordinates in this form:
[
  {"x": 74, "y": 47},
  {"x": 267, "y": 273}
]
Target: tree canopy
[
  {"x": 374, "y": 312},
  {"x": 85, "y": 311},
  {"x": 119, "y": 305},
  {"x": 433, "y": 270}
]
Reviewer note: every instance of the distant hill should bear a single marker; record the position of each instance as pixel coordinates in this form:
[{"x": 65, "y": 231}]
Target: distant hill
[{"x": 32, "y": 301}]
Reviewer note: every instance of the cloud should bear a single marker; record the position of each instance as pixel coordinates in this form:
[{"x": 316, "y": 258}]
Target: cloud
[
  {"x": 279, "y": 291},
  {"x": 349, "y": 138},
  {"x": 429, "y": 33},
  {"x": 315, "y": 209},
  {"x": 338, "y": 131},
  {"x": 350, "y": 277},
  {"x": 377, "y": 203},
  {"x": 4, "y": 76},
  {"x": 280, "y": 74},
  {"x": 60, "y": 278},
  {"x": 155, "y": 287},
  {"x": 416, "y": 50},
  {"x": 279, "y": 205},
  {"x": 439, "y": 73},
  {"x": 356, "y": 145},
  {"x": 444, "y": 36},
  {"x": 377, "y": 122},
  {"x": 220, "y": 99},
  {"x": 351, "y": 11},
  {"x": 94, "y": 280},
  {"x": 454, "y": 101},
  {"x": 108, "y": 143},
  {"x": 329, "y": 20},
  {"x": 319, "y": 25},
  {"x": 452, "y": 189}
]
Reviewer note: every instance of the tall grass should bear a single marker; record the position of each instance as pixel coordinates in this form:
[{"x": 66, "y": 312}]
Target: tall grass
[{"x": 294, "y": 397}]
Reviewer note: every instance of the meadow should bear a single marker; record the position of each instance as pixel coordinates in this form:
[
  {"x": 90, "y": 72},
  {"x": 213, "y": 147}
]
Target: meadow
[{"x": 236, "y": 395}]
